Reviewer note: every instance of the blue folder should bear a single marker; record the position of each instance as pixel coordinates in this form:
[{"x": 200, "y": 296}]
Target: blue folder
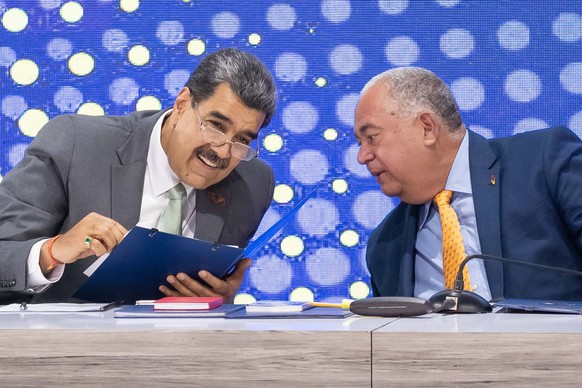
[{"x": 145, "y": 257}]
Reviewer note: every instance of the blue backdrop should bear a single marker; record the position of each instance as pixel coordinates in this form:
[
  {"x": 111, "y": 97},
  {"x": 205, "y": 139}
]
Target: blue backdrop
[{"x": 513, "y": 66}]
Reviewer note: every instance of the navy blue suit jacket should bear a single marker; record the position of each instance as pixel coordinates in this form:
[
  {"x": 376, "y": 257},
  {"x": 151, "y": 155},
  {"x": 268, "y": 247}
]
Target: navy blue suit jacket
[{"x": 532, "y": 213}]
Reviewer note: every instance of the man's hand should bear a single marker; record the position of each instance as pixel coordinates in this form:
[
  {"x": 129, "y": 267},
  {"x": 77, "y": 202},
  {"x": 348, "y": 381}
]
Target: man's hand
[
  {"x": 186, "y": 286},
  {"x": 93, "y": 235}
]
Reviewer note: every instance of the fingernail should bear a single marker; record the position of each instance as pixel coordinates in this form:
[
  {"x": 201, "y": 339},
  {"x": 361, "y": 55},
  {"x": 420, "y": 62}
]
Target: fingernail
[
  {"x": 202, "y": 274},
  {"x": 181, "y": 276}
]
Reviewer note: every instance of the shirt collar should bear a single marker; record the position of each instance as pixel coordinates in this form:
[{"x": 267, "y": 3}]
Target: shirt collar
[{"x": 459, "y": 179}]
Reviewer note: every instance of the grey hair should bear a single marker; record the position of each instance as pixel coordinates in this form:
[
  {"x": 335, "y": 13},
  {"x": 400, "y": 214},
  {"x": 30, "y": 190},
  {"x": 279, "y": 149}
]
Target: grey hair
[
  {"x": 414, "y": 89},
  {"x": 246, "y": 75}
]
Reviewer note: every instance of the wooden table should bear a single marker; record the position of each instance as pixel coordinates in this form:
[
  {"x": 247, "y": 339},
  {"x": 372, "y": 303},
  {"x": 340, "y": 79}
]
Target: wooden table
[{"x": 95, "y": 349}]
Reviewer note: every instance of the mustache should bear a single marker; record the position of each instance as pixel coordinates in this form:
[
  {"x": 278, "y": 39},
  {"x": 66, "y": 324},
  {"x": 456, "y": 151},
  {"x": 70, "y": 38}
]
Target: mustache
[{"x": 207, "y": 152}]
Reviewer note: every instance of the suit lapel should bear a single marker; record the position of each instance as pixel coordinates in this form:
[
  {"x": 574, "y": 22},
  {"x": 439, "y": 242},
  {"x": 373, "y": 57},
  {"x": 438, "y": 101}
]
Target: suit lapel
[
  {"x": 127, "y": 177},
  {"x": 485, "y": 181},
  {"x": 211, "y": 209},
  {"x": 408, "y": 254}
]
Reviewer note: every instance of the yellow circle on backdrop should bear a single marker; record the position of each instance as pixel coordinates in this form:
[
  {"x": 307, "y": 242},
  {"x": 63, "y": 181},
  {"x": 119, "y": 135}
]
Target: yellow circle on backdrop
[
  {"x": 15, "y": 20},
  {"x": 81, "y": 64},
  {"x": 273, "y": 142},
  {"x": 359, "y": 290},
  {"x": 138, "y": 55},
  {"x": 292, "y": 246},
  {"x": 254, "y": 39},
  {"x": 244, "y": 299},
  {"x": 330, "y": 134},
  {"x": 24, "y": 72},
  {"x": 320, "y": 82},
  {"x": 148, "y": 103},
  {"x": 196, "y": 47},
  {"x": 32, "y": 121},
  {"x": 349, "y": 238},
  {"x": 339, "y": 186},
  {"x": 91, "y": 109},
  {"x": 301, "y": 294},
  {"x": 71, "y": 12},
  {"x": 283, "y": 193},
  {"x": 129, "y": 5}
]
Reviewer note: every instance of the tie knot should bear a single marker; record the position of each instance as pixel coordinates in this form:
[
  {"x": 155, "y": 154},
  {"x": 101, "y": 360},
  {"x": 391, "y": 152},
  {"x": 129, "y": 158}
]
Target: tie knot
[
  {"x": 177, "y": 192},
  {"x": 443, "y": 198}
]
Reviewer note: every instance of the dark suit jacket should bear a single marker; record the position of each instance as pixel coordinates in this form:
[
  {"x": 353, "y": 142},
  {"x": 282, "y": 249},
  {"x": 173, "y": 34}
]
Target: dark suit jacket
[
  {"x": 532, "y": 213},
  {"x": 79, "y": 164}
]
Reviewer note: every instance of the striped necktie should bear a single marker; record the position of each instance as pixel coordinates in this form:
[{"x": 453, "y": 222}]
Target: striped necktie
[{"x": 453, "y": 248}]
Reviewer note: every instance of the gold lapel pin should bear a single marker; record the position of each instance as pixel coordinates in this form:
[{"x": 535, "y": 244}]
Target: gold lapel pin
[{"x": 492, "y": 180}]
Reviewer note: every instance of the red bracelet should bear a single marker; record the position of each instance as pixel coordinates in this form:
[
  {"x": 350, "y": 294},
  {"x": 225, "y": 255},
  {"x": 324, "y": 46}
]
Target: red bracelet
[{"x": 49, "y": 247}]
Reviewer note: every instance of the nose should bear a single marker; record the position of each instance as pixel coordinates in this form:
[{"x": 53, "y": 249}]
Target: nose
[
  {"x": 223, "y": 150},
  {"x": 364, "y": 154}
]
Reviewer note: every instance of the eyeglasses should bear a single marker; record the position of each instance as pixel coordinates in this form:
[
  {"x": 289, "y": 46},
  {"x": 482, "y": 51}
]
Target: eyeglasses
[{"x": 217, "y": 138}]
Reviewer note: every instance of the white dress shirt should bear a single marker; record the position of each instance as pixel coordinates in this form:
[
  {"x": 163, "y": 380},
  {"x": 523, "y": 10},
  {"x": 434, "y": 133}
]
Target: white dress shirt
[
  {"x": 159, "y": 178},
  {"x": 429, "y": 260}
]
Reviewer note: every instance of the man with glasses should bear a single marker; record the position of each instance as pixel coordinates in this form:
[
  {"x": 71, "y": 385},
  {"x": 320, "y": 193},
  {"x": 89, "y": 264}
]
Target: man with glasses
[{"x": 84, "y": 181}]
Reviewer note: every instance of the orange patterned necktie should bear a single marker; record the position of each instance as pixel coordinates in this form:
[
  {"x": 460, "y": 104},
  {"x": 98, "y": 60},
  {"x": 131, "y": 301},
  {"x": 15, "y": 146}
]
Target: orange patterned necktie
[{"x": 453, "y": 248}]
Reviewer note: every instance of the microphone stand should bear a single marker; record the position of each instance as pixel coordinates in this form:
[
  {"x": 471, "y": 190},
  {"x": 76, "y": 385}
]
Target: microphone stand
[{"x": 469, "y": 302}]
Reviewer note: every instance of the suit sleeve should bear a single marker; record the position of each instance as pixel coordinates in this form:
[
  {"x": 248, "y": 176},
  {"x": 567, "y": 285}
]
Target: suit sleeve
[
  {"x": 33, "y": 200},
  {"x": 563, "y": 161}
]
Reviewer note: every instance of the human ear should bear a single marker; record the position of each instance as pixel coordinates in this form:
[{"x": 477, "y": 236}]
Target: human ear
[
  {"x": 430, "y": 128},
  {"x": 183, "y": 100}
]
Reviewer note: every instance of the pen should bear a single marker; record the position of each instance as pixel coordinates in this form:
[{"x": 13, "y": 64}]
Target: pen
[
  {"x": 111, "y": 305},
  {"x": 345, "y": 304},
  {"x": 23, "y": 306}
]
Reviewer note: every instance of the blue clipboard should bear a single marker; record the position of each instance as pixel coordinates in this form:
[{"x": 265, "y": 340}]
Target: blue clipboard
[{"x": 145, "y": 257}]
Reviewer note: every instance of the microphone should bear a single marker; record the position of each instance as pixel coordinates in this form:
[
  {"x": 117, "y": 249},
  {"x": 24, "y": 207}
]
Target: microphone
[
  {"x": 395, "y": 306},
  {"x": 468, "y": 302}
]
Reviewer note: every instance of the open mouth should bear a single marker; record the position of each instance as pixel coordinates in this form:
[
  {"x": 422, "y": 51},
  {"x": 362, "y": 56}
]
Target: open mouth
[
  {"x": 207, "y": 156},
  {"x": 208, "y": 162}
]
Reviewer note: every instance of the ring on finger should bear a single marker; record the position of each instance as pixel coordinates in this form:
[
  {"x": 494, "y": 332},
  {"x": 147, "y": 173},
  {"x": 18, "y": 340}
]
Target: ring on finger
[{"x": 88, "y": 242}]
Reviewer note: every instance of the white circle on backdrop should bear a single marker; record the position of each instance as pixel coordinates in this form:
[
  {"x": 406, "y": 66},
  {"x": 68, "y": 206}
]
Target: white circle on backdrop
[
  {"x": 318, "y": 217},
  {"x": 529, "y": 124},
  {"x": 328, "y": 266},
  {"x": 123, "y": 91},
  {"x": 271, "y": 274},
  {"x": 13, "y": 106},
  {"x": 114, "y": 40},
  {"x": 300, "y": 117},
  {"x": 336, "y": 11},
  {"x": 571, "y": 77},
  {"x": 523, "y": 85},
  {"x": 59, "y": 49},
  {"x": 175, "y": 80},
  {"x": 170, "y": 32},
  {"x": 346, "y": 107},
  {"x": 309, "y": 166},
  {"x": 345, "y": 59},
  {"x": 68, "y": 99},
  {"x": 281, "y": 17},
  {"x": 225, "y": 25},
  {"x": 457, "y": 43},
  {"x": 290, "y": 67},
  {"x": 371, "y": 207},
  {"x": 392, "y": 7},
  {"x": 469, "y": 93},
  {"x": 402, "y": 51},
  {"x": 513, "y": 35}
]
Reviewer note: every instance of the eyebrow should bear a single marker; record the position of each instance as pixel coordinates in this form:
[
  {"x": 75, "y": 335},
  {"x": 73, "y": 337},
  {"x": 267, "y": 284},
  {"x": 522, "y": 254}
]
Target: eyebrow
[
  {"x": 361, "y": 131},
  {"x": 228, "y": 120}
]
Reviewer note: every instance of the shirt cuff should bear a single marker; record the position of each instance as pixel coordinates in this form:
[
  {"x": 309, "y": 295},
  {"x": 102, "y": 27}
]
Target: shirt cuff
[{"x": 35, "y": 279}]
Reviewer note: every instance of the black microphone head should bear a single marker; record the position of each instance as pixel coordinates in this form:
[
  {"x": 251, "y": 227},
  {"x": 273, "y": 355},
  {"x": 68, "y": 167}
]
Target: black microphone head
[
  {"x": 391, "y": 306},
  {"x": 461, "y": 302}
]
